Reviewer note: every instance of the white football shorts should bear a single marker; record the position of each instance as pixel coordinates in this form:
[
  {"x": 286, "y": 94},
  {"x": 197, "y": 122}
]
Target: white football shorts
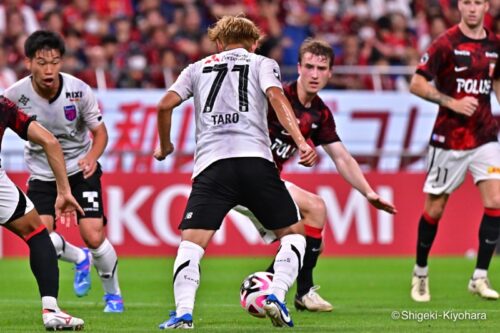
[
  {"x": 447, "y": 168},
  {"x": 9, "y": 198}
]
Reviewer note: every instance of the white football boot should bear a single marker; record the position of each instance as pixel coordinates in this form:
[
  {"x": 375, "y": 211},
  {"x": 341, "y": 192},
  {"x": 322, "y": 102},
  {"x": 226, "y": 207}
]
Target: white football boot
[
  {"x": 482, "y": 287},
  {"x": 420, "y": 288},
  {"x": 313, "y": 302},
  {"x": 58, "y": 321}
]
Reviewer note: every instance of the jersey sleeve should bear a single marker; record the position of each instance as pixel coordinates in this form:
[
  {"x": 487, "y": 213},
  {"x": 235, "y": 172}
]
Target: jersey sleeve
[
  {"x": 269, "y": 74},
  {"x": 90, "y": 109},
  {"x": 327, "y": 130},
  {"x": 9, "y": 94},
  {"x": 183, "y": 86},
  {"x": 433, "y": 59},
  {"x": 17, "y": 120}
]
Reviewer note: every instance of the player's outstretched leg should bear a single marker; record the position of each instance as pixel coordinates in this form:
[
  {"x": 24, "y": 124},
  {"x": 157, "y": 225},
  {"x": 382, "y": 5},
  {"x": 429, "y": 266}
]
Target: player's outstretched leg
[
  {"x": 186, "y": 282},
  {"x": 488, "y": 238},
  {"x": 307, "y": 297},
  {"x": 106, "y": 263},
  {"x": 287, "y": 264},
  {"x": 79, "y": 257},
  {"x": 43, "y": 263}
]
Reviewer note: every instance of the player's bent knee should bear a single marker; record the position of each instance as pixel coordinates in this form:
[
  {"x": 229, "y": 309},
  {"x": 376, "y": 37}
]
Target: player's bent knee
[
  {"x": 315, "y": 213},
  {"x": 93, "y": 241},
  {"x": 493, "y": 201},
  {"x": 26, "y": 224}
]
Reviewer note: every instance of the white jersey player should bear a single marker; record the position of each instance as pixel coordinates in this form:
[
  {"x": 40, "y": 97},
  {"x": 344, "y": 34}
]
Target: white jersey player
[
  {"x": 67, "y": 107},
  {"x": 233, "y": 161},
  {"x": 76, "y": 112},
  {"x": 227, "y": 125}
]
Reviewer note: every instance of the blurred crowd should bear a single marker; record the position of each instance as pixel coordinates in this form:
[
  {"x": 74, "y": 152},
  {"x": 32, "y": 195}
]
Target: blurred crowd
[{"x": 146, "y": 43}]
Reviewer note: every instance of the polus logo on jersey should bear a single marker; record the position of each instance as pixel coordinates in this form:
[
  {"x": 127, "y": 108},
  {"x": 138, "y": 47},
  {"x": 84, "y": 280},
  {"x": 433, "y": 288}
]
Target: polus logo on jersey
[
  {"x": 474, "y": 86},
  {"x": 70, "y": 112}
]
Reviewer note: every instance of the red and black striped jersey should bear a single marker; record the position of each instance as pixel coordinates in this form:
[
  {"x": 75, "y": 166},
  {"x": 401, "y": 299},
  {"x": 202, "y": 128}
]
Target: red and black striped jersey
[
  {"x": 461, "y": 66},
  {"x": 316, "y": 124},
  {"x": 12, "y": 117}
]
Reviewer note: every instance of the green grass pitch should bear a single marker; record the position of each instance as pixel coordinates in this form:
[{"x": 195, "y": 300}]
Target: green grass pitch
[{"x": 366, "y": 294}]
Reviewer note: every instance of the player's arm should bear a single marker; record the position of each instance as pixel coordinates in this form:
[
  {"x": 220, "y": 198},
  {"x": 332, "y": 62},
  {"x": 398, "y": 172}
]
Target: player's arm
[
  {"x": 99, "y": 142},
  {"x": 65, "y": 204},
  {"x": 422, "y": 88},
  {"x": 496, "y": 88},
  {"x": 349, "y": 169},
  {"x": 287, "y": 119},
  {"x": 165, "y": 108}
]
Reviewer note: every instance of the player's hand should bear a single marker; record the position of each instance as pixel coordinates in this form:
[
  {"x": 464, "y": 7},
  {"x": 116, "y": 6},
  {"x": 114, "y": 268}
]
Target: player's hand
[
  {"x": 66, "y": 207},
  {"x": 379, "y": 203},
  {"x": 88, "y": 165},
  {"x": 466, "y": 106},
  {"x": 160, "y": 153},
  {"x": 308, "y": 156}
]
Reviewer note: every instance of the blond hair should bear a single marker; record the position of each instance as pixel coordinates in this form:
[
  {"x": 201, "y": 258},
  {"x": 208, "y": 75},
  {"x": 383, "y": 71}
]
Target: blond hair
[{"x": 234, "y": 30}]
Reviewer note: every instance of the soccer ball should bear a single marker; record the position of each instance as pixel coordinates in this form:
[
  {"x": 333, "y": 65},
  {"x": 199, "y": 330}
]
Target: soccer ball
[{"x": 254, "y": 291}]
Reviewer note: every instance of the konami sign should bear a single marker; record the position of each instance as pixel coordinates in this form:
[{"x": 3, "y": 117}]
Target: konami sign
[{"x": 143, "y": 211}]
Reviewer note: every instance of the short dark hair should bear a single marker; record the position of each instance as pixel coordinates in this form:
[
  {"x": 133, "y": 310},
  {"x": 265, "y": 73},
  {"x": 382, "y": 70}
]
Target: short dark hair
[
  {"x": 43, "y": 39},
  {"x": 318, "y": 48}
]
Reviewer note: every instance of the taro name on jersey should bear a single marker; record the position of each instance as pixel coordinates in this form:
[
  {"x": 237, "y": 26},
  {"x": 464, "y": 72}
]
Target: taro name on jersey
[
  {"x": 69, "y": 116},
  {"x": 230, "y": 105}
]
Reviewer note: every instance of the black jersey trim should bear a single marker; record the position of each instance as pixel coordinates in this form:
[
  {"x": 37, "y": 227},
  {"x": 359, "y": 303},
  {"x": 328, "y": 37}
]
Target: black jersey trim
[
  {"x": 61, "y": 82},
  {"x": 24, "y": 134},
  {"x": 425, "y": 74}
]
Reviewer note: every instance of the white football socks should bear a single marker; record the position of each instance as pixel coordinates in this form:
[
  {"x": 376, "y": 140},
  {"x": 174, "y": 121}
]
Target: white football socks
[
  {"x": 106, "y": 262},
  {"x": 421, "y": 271},
  {"x": 65, "y": 250},
  {"x": 286, "y": 264},
  {"x": 479, "y": 273},
  {"x": 50, "y": 303},
  {"x": 186, "y": 276}
]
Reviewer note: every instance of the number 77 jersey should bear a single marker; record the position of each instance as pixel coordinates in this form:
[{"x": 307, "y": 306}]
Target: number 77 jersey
[{"x": 231, "y": 107}]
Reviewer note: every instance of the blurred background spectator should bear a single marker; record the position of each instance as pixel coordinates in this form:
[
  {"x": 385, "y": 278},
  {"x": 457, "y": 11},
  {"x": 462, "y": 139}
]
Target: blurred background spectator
[
  {"x": 7, "y": 75},
  {"x": 146, "y": 43}
]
